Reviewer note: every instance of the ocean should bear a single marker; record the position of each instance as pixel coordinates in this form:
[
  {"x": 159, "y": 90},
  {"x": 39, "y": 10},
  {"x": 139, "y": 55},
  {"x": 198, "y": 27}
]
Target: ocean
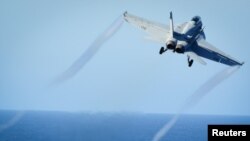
[{"x": 84, "y": 126}]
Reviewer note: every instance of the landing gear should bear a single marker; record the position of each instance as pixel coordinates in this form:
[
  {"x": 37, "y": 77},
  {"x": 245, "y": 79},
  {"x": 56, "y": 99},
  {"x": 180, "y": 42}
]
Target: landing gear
[
  {"x": 162, "y": 50},
  {"x": 190, "y": 62}
]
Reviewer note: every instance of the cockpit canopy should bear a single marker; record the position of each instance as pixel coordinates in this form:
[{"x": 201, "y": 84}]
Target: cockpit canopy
[{"x": 196, "y": 19}]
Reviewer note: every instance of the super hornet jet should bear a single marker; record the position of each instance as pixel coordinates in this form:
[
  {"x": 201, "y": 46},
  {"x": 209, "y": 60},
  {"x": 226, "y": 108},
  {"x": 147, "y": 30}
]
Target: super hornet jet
[{"x": 187, "y": 38}]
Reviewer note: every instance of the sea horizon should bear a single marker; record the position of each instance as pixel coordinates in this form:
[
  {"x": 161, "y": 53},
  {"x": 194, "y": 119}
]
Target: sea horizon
[{"x": 105, "y": 126}]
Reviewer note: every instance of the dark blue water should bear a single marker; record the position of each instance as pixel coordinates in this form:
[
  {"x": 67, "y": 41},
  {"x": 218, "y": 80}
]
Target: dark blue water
[{"x": 65, "y": 126}]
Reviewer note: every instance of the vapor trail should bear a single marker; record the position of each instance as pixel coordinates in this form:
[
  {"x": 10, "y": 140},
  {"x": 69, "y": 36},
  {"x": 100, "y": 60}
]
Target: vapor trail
[
  {"x": 164, "y": 130},
  {"x": 195, "y": 98},
  {"x": 12, "y": 121},
  {"x": 207, "y": 87},
  {"x": 91, "y": 51}
]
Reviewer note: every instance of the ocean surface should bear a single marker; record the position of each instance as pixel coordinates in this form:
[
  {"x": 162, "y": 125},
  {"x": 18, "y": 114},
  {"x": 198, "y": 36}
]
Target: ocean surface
[{"x": 83, "y": 126}]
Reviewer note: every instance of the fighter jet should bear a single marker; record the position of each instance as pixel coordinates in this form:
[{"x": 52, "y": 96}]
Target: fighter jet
[{"x": 187, "y": 38}]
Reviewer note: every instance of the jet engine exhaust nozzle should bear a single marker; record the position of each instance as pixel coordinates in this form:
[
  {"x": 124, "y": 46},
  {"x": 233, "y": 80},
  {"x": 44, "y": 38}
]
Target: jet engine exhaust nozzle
[
  {"x": 180, "y": 48},
  {"x": 171, "y": 44}
]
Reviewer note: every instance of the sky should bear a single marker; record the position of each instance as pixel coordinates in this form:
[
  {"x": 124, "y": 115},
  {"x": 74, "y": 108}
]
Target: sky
[{"x": 39, "y": 40}]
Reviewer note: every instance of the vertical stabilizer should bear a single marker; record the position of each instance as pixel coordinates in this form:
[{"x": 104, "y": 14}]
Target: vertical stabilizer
[{"x": 171, "y": 25}]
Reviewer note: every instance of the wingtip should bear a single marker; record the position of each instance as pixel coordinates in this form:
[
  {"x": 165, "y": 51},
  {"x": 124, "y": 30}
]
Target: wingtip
[
  {"x": 240, "y": 64},
  {"x": 125, "y": 13}
]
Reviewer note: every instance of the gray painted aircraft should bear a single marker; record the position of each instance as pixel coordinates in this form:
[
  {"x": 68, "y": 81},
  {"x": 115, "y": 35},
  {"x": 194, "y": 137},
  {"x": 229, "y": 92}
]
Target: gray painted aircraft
[{"x": 187, "y": 38}]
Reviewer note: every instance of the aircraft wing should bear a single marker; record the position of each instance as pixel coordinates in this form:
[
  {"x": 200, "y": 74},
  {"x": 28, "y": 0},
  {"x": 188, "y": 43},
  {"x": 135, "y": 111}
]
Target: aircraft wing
[
  {"x": 206, "y": 50},
  {"x": 157, "y": 32},
  {"x": 195, "y": 57}
]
